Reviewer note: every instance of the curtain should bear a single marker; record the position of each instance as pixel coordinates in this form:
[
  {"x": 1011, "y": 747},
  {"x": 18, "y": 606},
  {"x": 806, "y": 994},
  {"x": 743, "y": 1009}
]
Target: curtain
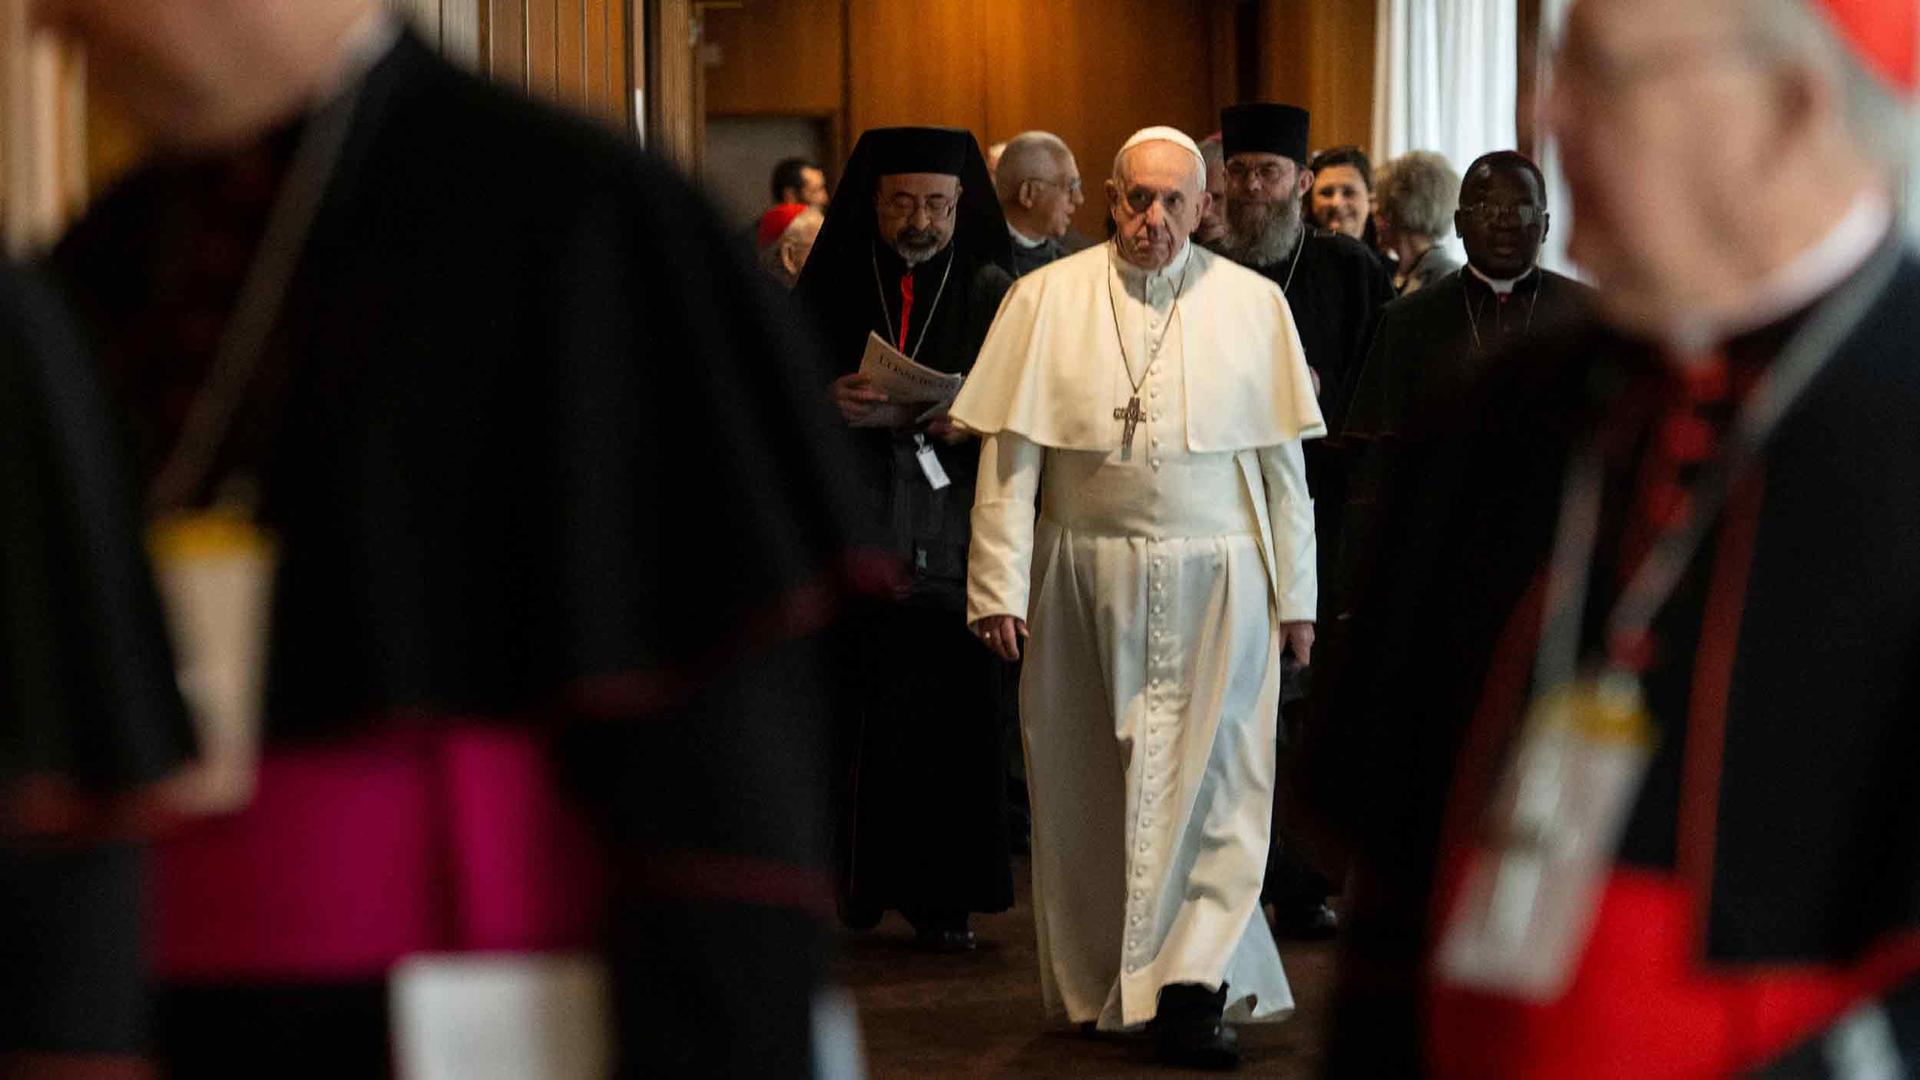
[
  {"x": 1553, "y": 255},
  {"x": 1446, "y": 77}
]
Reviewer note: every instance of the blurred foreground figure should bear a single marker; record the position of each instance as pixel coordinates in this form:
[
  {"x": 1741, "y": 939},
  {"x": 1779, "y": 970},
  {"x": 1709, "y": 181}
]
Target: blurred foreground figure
[
  {"x": 1666, "y": 584},
  {"x": 915, "y": 258},
  {"x": 1152, "y": 397},
  {"x": 487, "y": 384},
  {"x": 90, "y": 722}
]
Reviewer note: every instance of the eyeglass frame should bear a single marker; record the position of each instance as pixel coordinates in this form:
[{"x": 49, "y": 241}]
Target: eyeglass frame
[
  {"x": 1072, "y": 186},
  {"x": 1267, "y": 172},
  {"x": 1485, "y": 214},
  {"x": 904, "y": 207}
]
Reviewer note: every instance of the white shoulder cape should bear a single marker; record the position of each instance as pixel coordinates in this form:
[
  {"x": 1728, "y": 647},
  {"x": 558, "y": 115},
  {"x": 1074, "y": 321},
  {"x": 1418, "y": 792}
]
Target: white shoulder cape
[{"x": 1051, "y": 368}]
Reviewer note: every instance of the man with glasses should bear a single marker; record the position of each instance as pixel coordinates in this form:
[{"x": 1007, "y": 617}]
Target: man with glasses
[
  {"x": 1152, "y": 397},
  {"x": 1384, "y": 783},
  {"x": 915, "y": 251},
  {"x": 1431, "y": 343},
  {"x": 1335, "y": 287},
  {"x": 1039, "y": 187},
  {"x": 1678, "y": 553}
]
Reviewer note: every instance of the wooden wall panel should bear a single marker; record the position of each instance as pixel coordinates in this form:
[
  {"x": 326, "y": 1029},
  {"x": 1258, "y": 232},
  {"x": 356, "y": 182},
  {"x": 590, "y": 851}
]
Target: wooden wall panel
[
  {"x": 1095, "y": 71},
  {"x": 507, "y": 41},
  {"x": 777, "y": 57},
  {"x": 917, "y": 63},
  {"x": 543, "y": 57},
  {"x": 570, "y": 52},
  {"x": 626, "y": 66},
  {"x": 43, "y": 134},
  {"x": 598, "y": 96},
  {"x": 1320, "y": 56},
  {"x": 676, "y": 123}
]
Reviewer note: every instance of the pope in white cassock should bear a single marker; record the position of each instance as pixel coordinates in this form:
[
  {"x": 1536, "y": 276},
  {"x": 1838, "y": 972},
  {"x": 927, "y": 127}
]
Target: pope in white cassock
[{"x": 1153, "y": 396}]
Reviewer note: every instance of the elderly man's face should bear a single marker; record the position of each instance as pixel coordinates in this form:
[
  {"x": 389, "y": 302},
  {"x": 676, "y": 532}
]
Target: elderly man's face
[
  {"x": 1502, "y": 221},
  {"x": 1213, "y": 224},
  {"x": 1056, "y": 197},
  {"x": 1262, "y": 187},
  {"x": 1666, "y": 133},
  {"x": 916, "y": 213},
  {"x": 1156, "y": 202}
]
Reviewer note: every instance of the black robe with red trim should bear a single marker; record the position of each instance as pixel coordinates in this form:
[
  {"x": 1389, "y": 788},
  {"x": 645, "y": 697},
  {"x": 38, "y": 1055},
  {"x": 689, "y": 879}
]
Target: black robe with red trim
[
  {"x": 1799, "y": 821},
  {"x": 536, "y": 447}
]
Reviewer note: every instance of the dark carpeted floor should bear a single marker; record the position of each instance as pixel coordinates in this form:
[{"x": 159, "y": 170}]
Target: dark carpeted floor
[{"x": 979, "y": 1014}]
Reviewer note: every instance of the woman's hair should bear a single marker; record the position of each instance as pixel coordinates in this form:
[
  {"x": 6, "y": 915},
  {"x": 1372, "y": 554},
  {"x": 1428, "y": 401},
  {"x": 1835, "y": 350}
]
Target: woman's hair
[
  {"x": 1344, "y": 155},
  {"x": 1418, "y": 193}
]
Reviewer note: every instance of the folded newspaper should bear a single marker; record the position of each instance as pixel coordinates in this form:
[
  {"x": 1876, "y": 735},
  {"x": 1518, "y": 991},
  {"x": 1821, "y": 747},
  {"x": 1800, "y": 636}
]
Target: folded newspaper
[{"x": 914, "y": 391}]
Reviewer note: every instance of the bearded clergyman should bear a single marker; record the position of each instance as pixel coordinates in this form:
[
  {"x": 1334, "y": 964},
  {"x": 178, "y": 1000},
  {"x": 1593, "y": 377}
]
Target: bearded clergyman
[{"x": 1152, "y": 397}]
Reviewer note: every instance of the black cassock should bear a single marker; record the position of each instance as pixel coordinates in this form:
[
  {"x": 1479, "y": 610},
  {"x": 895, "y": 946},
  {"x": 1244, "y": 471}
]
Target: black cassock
[
  {"x": 1813, "y": 849},
  {"x": 1335, "y": 288},
  {"x": 925, "y": 830},
  {"x": 89, "y": 714},
  {"x": 1427, "y": 352},
  {"x": 531, "y": 441}
]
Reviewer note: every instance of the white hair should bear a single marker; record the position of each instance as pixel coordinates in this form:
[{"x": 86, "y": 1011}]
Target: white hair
[
  {"x": 1029, "y": 155},
  {"x": 1791, "y": 31},
  {"x": 1160, "y": 134}
]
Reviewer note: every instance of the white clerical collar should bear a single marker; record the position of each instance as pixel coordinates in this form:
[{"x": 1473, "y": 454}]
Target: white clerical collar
[
  {"x": 1500, "y": 286},
  {"x": 1808, "y": 276},
  {"x": 1023, "y": 239},
  {"x": 1131, "y": 273}
]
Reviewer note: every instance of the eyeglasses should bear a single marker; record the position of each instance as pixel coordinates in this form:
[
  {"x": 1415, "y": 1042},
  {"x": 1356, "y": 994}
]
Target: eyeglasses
[
  {"x": 1073, "y": 186},
  {"x": 902, "y": 207},
  {"x": 1268, "y": 173},
  {"x": 1523, "y": 215}
]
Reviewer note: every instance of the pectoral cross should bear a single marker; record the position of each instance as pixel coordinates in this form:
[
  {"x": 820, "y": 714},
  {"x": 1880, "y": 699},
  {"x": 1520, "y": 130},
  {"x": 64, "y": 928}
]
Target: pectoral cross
[{"x": 1132, "y": 414}]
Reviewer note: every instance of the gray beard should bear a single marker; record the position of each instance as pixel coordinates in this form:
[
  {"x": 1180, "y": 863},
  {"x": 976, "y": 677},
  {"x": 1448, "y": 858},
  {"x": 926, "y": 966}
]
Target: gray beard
[{"x": 1268, "y": 243}]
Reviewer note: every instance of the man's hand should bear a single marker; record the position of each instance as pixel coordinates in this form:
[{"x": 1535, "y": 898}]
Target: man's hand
[
  {"x": 1002, "y": 635},
  {"x": 943, "y": 428},
  {"x": 856, "y": 398},
  {"x": 1297, "y": 637},
  {"x": 1315, "y": 372}
]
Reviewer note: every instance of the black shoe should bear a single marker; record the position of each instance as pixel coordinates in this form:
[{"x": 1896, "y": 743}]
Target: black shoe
[
  {"x": 946, "y": 940},
  {"x": 1212, "y": 1048},
  {"x": 1311, "y": 922},
  {"x": 1189, "y": 1031},
  {"x": 943, "y": 935}
]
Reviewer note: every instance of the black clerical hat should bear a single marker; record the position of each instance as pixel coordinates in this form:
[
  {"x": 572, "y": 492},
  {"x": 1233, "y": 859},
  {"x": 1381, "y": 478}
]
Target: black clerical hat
[
  {"x": 918, "y": 150},
  {"x": 1262, "y": 128}
]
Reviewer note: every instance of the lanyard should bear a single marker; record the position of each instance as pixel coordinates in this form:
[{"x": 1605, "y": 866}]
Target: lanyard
[
  {"x": 263, "y": 294},
  {"x": 1808, "y": 353}
]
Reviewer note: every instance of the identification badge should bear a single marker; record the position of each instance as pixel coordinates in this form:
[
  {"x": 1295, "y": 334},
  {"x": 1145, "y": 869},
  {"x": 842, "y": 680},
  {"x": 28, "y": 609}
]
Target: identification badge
[
  {"x": 462, "y": 1017},
  {"x": 930, "y": 464},
  {"x": 1534, "y": 881},
  {"x": 215, "y": 575}
]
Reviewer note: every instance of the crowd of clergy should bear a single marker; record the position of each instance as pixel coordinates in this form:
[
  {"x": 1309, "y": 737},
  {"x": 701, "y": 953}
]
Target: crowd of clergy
[{"x": 403, "y": 558}]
